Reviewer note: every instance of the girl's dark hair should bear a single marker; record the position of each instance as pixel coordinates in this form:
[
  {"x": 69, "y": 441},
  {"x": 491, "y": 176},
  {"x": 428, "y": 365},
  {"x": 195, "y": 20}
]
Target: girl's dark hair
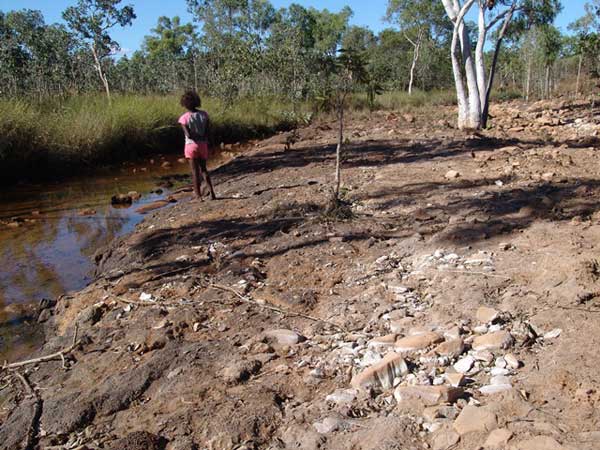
[{"x": 190, "y": 100}]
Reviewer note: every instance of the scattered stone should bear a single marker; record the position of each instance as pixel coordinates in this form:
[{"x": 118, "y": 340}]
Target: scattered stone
[
  {"x": 284, "y": 337},
  {"x": 452, "y": 333},
  {"x": 445, "y": 440},
  {"x": 240, "y": 371},
  {"x": 493, "y": 341},
  {"x": 417, "y": 342},
  {"x": 486, "y": 315},
  {"x": 87, "y": 212},
  {"x": 383, "y": 341},
  {"x": 451, "y": 348},
  {"x": 135, "y": 195},
  {"x": 500, "y": 362},
  {"x": 498, "y": 438},
  {"x": 121, "y": 199},
  {"x": 465, "y": 364},
  {"x": 452, "y": 174},
  {"x": 493, "y": 389},
  {"x": 328, "y": 425},
  {"x": 428, "y": 395},
  {"x": 539, "y": 443},
  {"x": 497, "y": 371},
  {"x": 548, "y": 176},
  {"x": 145, "y": 297},
  {"x": 455, "y": 379},
  {"x": 381, "y": 374},
  {"x": 512, "y": 361},
  {"x": 342, "y": 396},
  {"x": 499, "y": 380},
  {"x": 484, "y": 356},
  {"x": 89, "y": 316},
  {"x": 553, "y": 334},
  {"x": 409, "y": 118},
  {"x": 475, "y": 419},
  {"x": 481, "y": 329}
]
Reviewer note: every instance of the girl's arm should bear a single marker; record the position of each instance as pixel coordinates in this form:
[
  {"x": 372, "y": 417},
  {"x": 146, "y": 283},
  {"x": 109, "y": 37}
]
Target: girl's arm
[{"x": 186, "y": 131}]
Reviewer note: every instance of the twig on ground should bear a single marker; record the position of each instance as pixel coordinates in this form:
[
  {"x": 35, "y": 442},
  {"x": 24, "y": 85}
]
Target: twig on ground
[
  {"x": 140, "y": 303},
  {"x": 470, "y": 272},
  {"x": 31, "y": 437},
  {"x": 284, "y": 312},
  {"x": 58, "y": 355}
]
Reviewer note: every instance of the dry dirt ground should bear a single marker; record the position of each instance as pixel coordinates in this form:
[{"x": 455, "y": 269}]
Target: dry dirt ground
[{"x": 456, "y": 308}]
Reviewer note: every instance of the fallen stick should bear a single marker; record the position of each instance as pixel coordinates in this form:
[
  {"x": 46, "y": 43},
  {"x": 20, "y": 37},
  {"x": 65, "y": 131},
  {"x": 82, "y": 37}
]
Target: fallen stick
[
  {"x": 37, "y": 413},
  {"x": 470, "y": 272},
  {"x": 58, "y": 355},
  {"x": 284, "y": 312}
]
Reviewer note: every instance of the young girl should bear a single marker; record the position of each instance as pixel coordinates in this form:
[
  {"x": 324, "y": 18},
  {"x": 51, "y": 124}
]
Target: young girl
[{"x": 195, "y": 127}]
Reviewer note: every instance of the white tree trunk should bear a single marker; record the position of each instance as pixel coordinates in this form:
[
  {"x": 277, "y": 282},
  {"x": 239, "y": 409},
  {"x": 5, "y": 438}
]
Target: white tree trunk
[
  {"x": 528, "y": 81},
  {"x": 479, "y": 56},
  {"x": 457, "y": 17},
  {"x": 101, "y": 72},
  {"x": 416, "y": 52},
  {"x": 579, "y": 74}
]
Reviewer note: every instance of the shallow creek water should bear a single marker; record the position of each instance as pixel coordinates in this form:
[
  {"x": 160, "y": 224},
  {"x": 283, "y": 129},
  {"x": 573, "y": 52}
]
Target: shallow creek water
[{"x": 49, "y": 249}]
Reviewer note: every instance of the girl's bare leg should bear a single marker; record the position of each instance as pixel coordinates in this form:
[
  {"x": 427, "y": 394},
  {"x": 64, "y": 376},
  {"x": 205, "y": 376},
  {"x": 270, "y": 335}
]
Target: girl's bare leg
[
  {"x": 206, "y": 177},
  {"x": 196, "y": 182}
]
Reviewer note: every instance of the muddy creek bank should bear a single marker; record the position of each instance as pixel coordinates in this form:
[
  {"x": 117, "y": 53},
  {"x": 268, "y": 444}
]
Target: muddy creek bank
[{"x": 49, "y": 234}]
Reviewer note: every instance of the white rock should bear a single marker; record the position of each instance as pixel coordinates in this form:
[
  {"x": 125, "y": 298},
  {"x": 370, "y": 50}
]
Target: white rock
[
  {"x": 371, "y": 357},
  {"x": 284, "y": 337},
  {"x": 342, "y": 396},
  {"x": 438, "y": 381},
  {"x": 328, "y": 425},
  {"x": 481, "y": 329},
  {"x": 499, "y": 371},
  {"x": 499, "y": 380},
  {"x": 553, "y": 334},
  {"x": 512, "y": 361},
  {"x": 500, "y": 362},
  {"x": 495, "y": 389},
  {"x": 465, "y": 364},
  {"x": 145, "y": 297}
]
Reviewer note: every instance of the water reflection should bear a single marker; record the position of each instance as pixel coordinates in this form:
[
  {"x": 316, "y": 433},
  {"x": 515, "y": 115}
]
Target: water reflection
[{"x": 50, "y": 250}]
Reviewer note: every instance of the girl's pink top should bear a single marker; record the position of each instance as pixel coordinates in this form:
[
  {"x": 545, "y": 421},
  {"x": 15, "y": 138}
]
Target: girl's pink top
[{"x": 193, "y": 150}]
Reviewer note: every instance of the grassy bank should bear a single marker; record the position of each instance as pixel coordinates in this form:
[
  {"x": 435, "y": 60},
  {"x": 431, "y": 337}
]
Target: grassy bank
[{"x": 56, "y": 136}]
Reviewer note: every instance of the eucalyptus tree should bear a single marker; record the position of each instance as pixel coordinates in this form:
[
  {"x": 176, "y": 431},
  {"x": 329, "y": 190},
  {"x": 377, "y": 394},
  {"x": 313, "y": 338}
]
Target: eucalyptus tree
[
  {"x": 472, "y": 81},
  {"x": 418, "y": 22},
  {"x": 91, "y": 21},
  {"x": 234, "y": 37},
  {"x": 168, "y": 47},
  {"x": 586, "y": 30}
]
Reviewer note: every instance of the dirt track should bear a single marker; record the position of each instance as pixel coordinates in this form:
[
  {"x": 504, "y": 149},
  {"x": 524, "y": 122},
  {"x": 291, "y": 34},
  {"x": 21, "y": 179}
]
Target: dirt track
[{"x": 444, "y": 223}]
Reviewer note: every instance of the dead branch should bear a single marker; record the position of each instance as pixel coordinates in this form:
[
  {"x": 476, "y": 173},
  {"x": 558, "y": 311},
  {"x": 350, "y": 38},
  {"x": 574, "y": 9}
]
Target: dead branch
[
  {"x": 37, "y": 412},
  {"x": 58, "y": 355},
  {"x": 263, "y": 304}
]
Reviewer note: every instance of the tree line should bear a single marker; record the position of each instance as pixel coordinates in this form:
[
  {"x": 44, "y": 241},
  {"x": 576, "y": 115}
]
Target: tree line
[{"x": 237, "y": 48}]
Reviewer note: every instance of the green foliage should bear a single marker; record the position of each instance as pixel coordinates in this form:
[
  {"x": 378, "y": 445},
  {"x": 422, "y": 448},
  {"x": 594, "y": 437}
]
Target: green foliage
[
  {"x": 91, "y": 20},
  {"x": 56, "y": 136}
]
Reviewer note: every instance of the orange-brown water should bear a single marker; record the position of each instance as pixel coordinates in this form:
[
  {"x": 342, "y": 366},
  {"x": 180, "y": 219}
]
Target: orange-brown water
[{"x": 51, "y": 250}]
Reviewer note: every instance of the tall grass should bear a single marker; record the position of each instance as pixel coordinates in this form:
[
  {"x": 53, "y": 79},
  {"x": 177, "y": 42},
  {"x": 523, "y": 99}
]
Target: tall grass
[{"x": 58, "y": 135}]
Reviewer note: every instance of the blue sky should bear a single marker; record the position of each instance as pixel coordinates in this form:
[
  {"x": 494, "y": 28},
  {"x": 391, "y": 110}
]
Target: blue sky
[{"x": 369, "y": 13}]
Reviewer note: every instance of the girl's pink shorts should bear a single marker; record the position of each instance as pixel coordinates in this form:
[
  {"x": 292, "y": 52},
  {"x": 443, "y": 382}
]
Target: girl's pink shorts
[{"x": 196, "y": 150}]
